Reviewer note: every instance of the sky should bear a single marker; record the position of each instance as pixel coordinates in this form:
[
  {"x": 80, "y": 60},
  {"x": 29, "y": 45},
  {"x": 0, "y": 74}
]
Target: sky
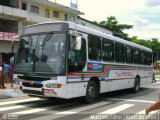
[{"x": 144, "y": 15}]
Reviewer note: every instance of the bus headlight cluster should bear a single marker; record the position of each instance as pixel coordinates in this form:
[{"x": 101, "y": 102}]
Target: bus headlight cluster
[{"x": 53, "y": 85}]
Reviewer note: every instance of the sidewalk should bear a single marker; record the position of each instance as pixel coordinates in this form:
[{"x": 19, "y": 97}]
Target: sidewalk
[
  {"x": 9, "y": 92},
  {"x": 157, "y": 76},
  {"x": 8, "y": 87}
]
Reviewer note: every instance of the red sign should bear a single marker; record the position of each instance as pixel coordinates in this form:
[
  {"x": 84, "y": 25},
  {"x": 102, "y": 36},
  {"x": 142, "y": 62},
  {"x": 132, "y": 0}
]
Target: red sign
[
  {"x": 7, "y": 36},
  {"x": 48, "y": 91}
]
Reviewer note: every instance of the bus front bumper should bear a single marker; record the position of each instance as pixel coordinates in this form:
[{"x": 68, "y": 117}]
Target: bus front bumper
[{"x": 35, "y": 91}]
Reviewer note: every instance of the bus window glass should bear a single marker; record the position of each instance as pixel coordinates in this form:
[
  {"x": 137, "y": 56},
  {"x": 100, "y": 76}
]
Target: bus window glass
[
  {"x": 107, "y": 50},
  {"x": 42, "y": 53},
  {"x": 136, "y": 56},
  {"x": 94, "y": 48},
  {"x": 119, "y": 52},
  {"x": 128, "y": 54},
  {"x": 143, "y": 58},
  {"x": 76, "y": 58},
  {"x": 149, "y": 58}
]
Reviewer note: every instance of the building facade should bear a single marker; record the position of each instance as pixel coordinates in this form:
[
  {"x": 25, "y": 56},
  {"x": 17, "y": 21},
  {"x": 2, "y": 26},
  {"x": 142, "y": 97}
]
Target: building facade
[
  {"x": 90, "y": 24},
  {"x": 16, "y": 14}
]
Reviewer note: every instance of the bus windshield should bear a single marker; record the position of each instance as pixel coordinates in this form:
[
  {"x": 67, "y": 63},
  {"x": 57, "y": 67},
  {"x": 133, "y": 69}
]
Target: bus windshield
[{"x": 41, "y": 53}]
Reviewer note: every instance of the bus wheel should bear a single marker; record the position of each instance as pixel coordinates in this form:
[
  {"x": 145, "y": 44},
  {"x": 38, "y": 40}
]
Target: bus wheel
[
  {"x": 136, "y": 85},
  {"x": 91, "y": 92}
]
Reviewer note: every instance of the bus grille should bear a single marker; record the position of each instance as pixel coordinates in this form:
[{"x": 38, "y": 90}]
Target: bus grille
[
  {"x": 34, "y": 85},
  {"x": 33, "y": 92}
]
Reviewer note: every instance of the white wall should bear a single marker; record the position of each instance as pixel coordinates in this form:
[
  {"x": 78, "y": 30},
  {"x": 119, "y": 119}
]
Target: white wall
[{"x": 93, "y": 26}]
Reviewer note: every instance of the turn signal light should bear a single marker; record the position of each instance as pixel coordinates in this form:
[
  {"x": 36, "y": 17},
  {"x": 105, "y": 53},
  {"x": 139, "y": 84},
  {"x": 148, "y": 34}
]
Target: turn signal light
[{"x": 59, "y": 85}]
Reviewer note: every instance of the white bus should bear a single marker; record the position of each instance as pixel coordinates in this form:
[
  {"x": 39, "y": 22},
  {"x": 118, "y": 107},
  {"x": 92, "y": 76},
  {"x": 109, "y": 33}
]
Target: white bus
[{"x": 67, "y": 60}]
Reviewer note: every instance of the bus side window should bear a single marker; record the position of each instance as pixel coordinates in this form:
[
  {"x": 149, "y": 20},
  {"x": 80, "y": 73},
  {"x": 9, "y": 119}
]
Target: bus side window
[
  {"x": 119, "y": 52},
  {"x": 136, "y": 56},
  {"x": 94, "y": 47},
  {"x": 143, "y": 58},
  {"x": 107, "y": 50},
  {"x": 149, "y": 58},
  {"x": 128, "y": 53}
]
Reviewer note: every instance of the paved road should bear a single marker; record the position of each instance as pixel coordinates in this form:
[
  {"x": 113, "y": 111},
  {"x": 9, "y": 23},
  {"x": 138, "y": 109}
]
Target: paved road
[{"x": 122, "y": 104}]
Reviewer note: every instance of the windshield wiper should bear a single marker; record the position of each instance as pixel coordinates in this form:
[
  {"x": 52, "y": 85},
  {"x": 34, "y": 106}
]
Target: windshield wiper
[{"x": 46, "y": 39}]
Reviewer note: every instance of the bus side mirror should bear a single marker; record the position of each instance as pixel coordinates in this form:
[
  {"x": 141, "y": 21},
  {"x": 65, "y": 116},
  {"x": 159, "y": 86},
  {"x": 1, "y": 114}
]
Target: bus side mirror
[{"x": 78, "y": 43}]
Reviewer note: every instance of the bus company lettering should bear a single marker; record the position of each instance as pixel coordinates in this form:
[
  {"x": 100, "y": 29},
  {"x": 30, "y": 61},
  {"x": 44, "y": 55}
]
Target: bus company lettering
[
  {"x": 128, "y": 74},
  {"x": 118, "y": 74},
  {"x": 124, "y": 74}
]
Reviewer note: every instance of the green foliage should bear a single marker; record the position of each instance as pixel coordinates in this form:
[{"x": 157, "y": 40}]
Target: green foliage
[
  {"x": 112, "y": 24},
  {"x": 154, "y": 44}
]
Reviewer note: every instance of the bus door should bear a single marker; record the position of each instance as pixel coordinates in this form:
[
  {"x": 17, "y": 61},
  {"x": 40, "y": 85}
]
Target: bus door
[{"x": 76, "y": 56}]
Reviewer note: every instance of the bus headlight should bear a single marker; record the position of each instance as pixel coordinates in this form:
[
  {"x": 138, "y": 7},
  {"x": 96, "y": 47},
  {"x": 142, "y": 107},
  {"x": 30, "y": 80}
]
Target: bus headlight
[
  {"x": 48, "y": 85},
  {"x": 53, "y": 85}
]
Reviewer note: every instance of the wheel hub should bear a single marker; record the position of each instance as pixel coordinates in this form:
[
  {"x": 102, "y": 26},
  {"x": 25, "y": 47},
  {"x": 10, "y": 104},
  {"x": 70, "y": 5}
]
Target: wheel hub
[{"x": 91, "y": 91}]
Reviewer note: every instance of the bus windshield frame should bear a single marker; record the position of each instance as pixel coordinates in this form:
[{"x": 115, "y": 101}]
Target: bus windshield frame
[{"x": 42, "y": 53}]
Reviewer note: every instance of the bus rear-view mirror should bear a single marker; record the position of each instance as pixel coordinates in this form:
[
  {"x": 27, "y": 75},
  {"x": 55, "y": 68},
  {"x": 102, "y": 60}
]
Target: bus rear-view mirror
[{"x": 78, "y": 43}]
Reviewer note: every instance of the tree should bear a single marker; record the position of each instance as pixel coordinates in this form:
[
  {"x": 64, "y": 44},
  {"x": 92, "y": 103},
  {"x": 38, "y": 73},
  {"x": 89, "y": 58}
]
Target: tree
[
  {"x": 154, "y": 44},
  {"x": 112, "y": 24},
  {"x": 142, "y": 42}
]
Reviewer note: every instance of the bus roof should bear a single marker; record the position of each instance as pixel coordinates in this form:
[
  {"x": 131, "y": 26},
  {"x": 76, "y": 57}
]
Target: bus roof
[
  {"x": 107, "y": 36},
  {"x": 94, "y": 32}
]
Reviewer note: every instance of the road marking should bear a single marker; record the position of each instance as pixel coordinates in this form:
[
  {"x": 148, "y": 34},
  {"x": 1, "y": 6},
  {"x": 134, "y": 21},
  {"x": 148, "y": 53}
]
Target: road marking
[
  {"x": 42, "y": 109},
  {"x": 147, "y": 116},
  {"x": 19, "y": 101},
  {"x": 12, "y": 107},
  {"x": 109, "y": 112},
  {"x": 156, "y": 82},
  {"x": 18, "y": 106},
  {"x": 117, "y": 109},
  {"x": 76, "y": 110},
  {"x": 141, "y": 114},
  {"x": 33, "y": 110},
  {"x": 70, "y": 112},
  {"x": 132, "y": 100}
]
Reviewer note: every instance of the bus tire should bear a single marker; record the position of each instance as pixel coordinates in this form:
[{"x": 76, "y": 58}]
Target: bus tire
[
  {"x": 136, "y": 87},
  {"x": 91, "y": 92}
]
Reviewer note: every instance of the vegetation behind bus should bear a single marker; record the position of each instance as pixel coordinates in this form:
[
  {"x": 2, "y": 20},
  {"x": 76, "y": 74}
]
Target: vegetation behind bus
[{"x": 118, "y": 31}]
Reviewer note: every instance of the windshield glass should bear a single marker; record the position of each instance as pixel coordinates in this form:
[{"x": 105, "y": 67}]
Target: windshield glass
[{"x": 42, "y": 53}]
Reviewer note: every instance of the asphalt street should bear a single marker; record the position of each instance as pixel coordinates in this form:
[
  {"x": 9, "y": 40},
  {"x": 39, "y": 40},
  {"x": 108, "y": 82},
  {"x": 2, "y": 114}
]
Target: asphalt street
[{"x": 124, "y": 104}]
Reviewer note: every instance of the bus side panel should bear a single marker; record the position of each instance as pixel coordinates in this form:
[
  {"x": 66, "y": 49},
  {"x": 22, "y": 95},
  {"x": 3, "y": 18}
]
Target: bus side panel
[
  {"x": 149, "y": 76},
  {"x": 122, "y": 84},
  {"x": 105, "y": 86},
  {"x": 68, "y": 91},
  {"x": 75, "y": 89},
  {"x": 145, "y": 76}
]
